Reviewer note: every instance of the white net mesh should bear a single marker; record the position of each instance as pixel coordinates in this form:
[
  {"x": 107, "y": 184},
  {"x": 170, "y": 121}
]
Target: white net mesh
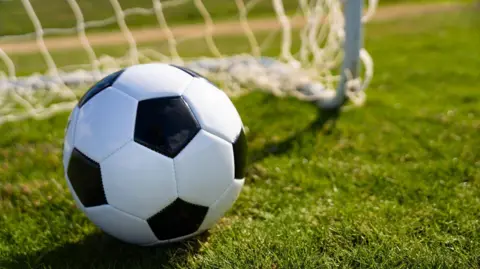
[{"x": 311, "y": 41}]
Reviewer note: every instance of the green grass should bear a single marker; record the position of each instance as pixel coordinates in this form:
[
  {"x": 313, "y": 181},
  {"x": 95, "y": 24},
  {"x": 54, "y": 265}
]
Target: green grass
[{"x": 395, "y": 184}]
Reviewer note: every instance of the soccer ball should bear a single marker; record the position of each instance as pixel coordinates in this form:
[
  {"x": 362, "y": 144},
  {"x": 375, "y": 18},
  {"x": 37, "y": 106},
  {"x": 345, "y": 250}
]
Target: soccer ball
[{"x": 154, "y": 153}]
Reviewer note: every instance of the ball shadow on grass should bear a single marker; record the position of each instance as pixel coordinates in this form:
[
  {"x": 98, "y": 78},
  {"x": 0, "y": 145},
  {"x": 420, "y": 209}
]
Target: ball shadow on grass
[
  {"x": 99, "y": 250},
  {"x": 324, "y": 117}
]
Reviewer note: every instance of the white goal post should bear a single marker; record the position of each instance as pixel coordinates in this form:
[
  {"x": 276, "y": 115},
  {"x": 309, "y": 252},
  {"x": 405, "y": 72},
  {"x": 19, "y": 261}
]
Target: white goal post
[{"x": 321, "y": 57}]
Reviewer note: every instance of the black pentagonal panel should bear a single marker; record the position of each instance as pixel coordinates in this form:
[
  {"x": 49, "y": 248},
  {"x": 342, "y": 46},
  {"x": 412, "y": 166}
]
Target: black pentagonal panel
[
  {"x": 189, "y": 71},
  {"x": 165, "y": 125},
  {"x": 99, "y": 86},
  {"x": 86, "y": 179},
  {"x": 180, "y": 218},
  {"x": 240, "y": 150}
]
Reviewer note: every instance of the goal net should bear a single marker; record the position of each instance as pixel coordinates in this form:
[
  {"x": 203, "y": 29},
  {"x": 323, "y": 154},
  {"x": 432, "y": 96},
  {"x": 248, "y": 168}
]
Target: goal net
[{"x": 310, "y": 49}]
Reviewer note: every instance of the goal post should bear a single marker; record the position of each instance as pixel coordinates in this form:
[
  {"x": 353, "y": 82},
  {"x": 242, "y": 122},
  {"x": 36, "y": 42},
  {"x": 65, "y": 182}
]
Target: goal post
[
  {"x": 353, "y": 45},
  {"x": 321, "y": 56}
]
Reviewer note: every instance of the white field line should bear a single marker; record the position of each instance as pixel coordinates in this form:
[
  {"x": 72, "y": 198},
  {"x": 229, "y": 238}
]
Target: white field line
[{"x": 197, "y": 30}]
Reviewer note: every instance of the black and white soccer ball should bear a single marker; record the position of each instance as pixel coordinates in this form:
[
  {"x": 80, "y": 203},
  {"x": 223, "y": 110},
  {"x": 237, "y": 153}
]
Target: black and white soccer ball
[{"x": 154, "y": 153}]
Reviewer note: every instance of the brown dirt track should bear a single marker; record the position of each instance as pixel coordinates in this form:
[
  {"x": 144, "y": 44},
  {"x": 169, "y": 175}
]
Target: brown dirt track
[{"x": 197, "y": 30}]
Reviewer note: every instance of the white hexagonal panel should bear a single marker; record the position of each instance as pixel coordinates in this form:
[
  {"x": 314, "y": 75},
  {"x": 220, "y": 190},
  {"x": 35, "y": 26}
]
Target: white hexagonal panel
[
  {"x": 121, "y": 225},
  {"x": 145, "y": 81},
  {"x": 213, "y": 109},
  {"x": 138, "y": 180},
  {"x": 204, "y": 169},
  {"x": 218, "y": 209},
  {"x": 69, "y": 138},
  {"x": 105, "y": 123}
]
